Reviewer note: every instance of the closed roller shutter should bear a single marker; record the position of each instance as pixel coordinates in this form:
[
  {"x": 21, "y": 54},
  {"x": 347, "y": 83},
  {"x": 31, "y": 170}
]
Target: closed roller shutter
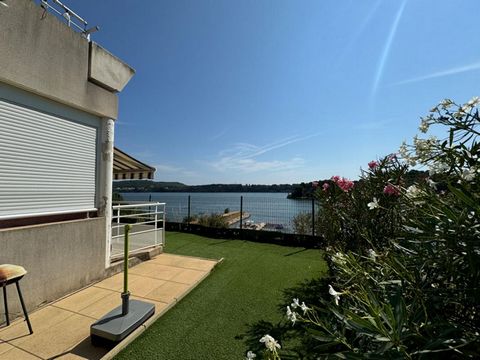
[{"x": 47, "y": 163}]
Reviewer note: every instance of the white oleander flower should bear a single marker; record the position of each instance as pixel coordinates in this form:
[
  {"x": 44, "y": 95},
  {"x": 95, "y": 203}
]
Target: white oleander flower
[
  {"x": 424, "y": 125},
  {"x": 334, "y": 293},
  {"x": 250, "y": 355},
  {"x": 413, "y": 192},
  {"x": 270, "y": 342},
  {"x": 304, "y": 307},
  {"x": 374, "y": 204},
  {"x": 339, "y": 258},
  {"x": 372, "y": 254},
  {"x": 432, "y": 183},
  {"x": 474, "y": 101},
  {"x": 468, "y": 175},
  {"x": 295, "y": 303},
  {"x": 438, "y": 168},
  {"x": 446, "y": 103},
  {"x": 291, "y": 315}
]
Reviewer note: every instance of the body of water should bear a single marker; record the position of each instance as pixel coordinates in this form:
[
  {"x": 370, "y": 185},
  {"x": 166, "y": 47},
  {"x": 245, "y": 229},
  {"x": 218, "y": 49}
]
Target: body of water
[{"x": 269, "y": 208}]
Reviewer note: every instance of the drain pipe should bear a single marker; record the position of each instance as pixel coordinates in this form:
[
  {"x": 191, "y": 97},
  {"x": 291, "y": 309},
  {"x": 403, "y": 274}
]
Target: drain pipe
[{"x": 106, "y": 175}]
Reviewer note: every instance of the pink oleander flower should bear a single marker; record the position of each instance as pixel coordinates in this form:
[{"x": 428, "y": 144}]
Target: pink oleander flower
[
  {"x": 372, "y": 164},
  {"x": 325, "y": 186},
  {"x": 314, "y": 184},
  {"x": 391, "y": 190},
  {"x": 343, "y": 183}
]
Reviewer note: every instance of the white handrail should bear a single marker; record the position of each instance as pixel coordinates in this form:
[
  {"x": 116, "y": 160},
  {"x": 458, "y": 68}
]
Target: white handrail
[{"x": 146, "y": 216}]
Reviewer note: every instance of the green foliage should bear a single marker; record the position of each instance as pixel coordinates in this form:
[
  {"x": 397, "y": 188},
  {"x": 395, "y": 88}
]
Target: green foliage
[
  {"x": 213, "y": 220},
  {"x": 404, "y": 259},
  {"x": 346, "y": 221},
  {"x": 208, "y": 220},
  {"x": 302, "y": 224}
]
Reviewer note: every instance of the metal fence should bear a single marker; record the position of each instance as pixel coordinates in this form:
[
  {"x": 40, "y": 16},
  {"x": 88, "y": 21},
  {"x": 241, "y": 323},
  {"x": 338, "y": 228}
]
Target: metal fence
[
  {"x": 271, "y": 212},
  {"x": 148, "y": 226}
]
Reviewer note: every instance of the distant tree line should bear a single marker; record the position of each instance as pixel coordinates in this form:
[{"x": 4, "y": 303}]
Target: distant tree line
[{"x": 161, "y": 186}]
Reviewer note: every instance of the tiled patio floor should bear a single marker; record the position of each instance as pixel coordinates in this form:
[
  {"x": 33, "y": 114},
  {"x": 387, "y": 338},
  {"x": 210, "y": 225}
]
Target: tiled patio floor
[{"x": 62, "y": 329}]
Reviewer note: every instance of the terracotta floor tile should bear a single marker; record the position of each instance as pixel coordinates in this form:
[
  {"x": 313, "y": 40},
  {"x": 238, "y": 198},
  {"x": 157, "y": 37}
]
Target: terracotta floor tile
[
  {"x": 157, "y": 271},
  {"x": 4, "y": 347},
  {"x": 41, "y": 320},
  {"x": 112, "y": 283},
  {"x": 184, "y": 262},
  {"x": 82, "y": 299},
  {"x": 115, "y": 282},
  {"x": 99, "y": 308},
  {"x": 84, "y": 350},
  {"x": 168, "y": 292},
  {"x": 57, "y": 339},
  {"x": 189, "y": 276},
  {"x": 143, "y": 286},
  {"x": 17, "y": 354}
]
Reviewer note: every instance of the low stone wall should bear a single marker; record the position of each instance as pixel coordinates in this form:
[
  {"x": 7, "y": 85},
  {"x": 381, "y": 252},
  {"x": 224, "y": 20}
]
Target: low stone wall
[{"x": 59, "y": 257}]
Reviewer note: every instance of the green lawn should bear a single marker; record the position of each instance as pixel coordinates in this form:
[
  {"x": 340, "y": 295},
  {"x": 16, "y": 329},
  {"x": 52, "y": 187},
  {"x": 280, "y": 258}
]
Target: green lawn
[{"x": 245, "y": 288}]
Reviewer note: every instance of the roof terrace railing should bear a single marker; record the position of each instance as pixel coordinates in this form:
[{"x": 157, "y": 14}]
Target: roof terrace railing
[{"x": 71, "y": 18}]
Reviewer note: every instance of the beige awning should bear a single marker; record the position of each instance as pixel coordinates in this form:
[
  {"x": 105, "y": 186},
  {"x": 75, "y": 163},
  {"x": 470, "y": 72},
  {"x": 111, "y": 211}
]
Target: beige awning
[{"x": 125, "y": 167}]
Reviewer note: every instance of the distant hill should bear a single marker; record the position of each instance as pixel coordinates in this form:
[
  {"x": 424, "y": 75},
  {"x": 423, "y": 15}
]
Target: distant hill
[{"x": 162, "y": 186}]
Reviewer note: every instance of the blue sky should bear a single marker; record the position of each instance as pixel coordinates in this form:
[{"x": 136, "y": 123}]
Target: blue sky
[{"x": 278, "y": 91}]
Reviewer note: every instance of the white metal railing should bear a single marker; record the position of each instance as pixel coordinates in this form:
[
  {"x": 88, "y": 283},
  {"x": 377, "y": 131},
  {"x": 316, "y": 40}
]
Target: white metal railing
[
  {"x": 71, "y": 18},
  {"x": 148, "y": 226}
]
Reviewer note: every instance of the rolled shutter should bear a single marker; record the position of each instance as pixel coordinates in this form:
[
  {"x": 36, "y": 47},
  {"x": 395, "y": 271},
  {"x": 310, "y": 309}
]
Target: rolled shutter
[{"x": 47, "y": 163}]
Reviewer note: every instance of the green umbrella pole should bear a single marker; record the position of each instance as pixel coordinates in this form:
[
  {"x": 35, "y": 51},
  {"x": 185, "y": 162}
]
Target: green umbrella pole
[{"x": 125, "y": 294}]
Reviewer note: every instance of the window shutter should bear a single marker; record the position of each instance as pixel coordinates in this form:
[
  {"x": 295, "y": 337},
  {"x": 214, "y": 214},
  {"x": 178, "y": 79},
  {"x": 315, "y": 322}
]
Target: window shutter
[{"x": 47, "y": 163}]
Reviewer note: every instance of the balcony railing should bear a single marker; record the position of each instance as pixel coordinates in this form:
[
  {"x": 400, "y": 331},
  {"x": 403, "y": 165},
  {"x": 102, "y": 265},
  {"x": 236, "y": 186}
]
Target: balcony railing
[{"x": 148, "y": 226}]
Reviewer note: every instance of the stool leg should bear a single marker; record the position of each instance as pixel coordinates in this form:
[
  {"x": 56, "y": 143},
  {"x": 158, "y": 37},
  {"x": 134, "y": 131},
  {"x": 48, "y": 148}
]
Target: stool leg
[
  {"x": 5, "y": 303},
  {"x": 24, "y": 308}
]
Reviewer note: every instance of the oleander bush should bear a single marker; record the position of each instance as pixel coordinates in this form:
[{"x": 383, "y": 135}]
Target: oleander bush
[{"x": 404, "y": 260}]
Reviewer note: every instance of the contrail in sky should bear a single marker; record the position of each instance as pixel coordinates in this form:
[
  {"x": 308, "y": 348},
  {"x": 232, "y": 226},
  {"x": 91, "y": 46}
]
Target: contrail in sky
[
  {"x": 386, "y": 49},
  {"x": 453, "y": 71},
  {"x": 354, "y": 39}
]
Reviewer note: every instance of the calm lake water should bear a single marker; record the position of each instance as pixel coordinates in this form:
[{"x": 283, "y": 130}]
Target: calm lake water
[{"x": 271, "y": 208}]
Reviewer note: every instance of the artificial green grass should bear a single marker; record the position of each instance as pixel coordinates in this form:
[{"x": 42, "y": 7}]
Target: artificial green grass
[{"x": 246, "y": 287}]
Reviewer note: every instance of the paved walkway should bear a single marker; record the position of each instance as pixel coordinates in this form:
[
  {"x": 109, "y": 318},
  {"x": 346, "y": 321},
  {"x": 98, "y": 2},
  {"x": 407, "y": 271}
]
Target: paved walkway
[{"x": 62, "y": 329}]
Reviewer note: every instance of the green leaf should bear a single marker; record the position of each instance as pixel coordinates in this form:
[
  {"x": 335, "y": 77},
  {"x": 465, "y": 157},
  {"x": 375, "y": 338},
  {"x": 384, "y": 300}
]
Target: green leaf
[{"x": 466, "y": 199}]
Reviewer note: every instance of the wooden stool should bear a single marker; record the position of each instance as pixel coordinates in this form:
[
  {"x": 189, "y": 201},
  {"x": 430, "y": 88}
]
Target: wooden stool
[{"x": 11, "y": 274}]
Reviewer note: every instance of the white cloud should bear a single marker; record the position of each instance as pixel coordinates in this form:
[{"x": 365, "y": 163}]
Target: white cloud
[
  {"x": 164, "y": 171},
  {"x": 242, "y": 157},
  {"x": 252, "y": 165}
]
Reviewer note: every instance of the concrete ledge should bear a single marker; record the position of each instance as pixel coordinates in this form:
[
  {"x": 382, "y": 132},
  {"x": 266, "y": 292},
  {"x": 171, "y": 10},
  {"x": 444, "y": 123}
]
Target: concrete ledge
[{"x": 106, "y": 70}]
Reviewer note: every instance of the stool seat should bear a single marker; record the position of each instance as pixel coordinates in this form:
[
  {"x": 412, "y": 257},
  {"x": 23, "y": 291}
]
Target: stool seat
[{"x": 10, "y": 272}]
